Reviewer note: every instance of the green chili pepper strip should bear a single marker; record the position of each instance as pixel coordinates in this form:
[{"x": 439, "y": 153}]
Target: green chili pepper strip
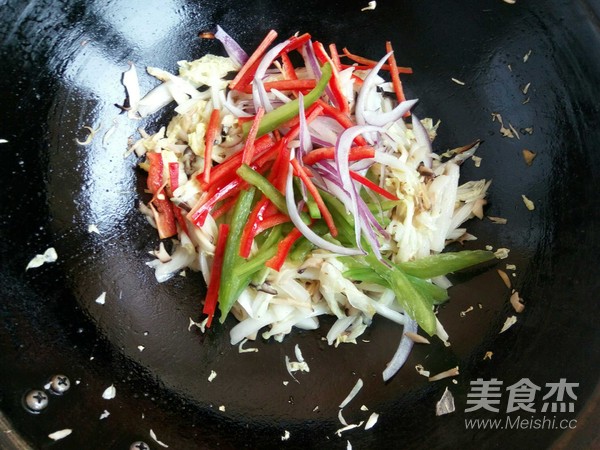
[
  {"x": 444, "y": 263},
  {"x": 412, "y": 300},
  {"x": 274, "y": 119},
  {"x": 266, "y": 251},
  {"x": 231, "y": 286},
  {"x": 254, "y": 178}
]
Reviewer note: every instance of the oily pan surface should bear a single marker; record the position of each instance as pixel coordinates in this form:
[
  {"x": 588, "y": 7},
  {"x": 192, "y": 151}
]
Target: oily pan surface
[{"x": 63, "y": 63}]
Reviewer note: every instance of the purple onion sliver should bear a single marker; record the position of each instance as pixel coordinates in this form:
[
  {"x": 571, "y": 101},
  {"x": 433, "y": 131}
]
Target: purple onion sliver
[
  {"x": 403, "y": 351},
  {"x": 232, "y": 48}
]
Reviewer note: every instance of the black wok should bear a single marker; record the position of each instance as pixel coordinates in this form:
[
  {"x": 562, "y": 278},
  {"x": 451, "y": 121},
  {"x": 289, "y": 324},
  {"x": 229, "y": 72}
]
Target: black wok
[{"x": 61, "y": 68}]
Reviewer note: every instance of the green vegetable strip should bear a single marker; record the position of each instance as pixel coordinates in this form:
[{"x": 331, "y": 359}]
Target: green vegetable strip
[
  {"x": 412, "y": 300},
  {"x": 231, "y": 286},
  {"x": 274, "y": 119},
  {"x": 444, "y": 263},
  {"x": 254, "y": 178},
  {"x": 266, "y": 251},
  {"x": 437, "y": 294}
]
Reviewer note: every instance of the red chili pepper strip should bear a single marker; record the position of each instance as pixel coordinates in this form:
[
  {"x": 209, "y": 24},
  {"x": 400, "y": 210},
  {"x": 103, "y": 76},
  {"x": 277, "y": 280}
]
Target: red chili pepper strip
[
  {"x": 287, "y": 68},
  {"x": 283, "y": 248},
  {"x": 335, "y": 57},
  {"x": 296, "y": 42},
  {"x": 248, "y": 152},
  {"x": 256, "y": 216},
  {"x": 224, "y": 208},
  {"x": 209, "y": 141},
  {"x": 287, "y": 85},
  {"x": 370, "y": 63},
  {"x": 356, "y": 154},
  {"x": 394, "y": 73},
  {"x": 229, "y": 166},
  {"x": 374, "y": 187},
  {"x": 244, "y": 76},
  {"x": 212, "y": 293},
  {"x": 334, "y": 82},
  {"x": 272, "y": 221},
  {"x": 200, "y": 211},
  {"x": 161, "y": 208},
  {"x": 340, "y": 118},
  {"x": 316, "y": 196},
  {"x": 173, "y": 176}
]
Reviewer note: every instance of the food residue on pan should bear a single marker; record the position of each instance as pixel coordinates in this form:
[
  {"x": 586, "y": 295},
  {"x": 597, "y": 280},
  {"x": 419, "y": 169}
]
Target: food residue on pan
[
  {"x": 101, "y": 300},
  {"x": 110, "y": 392},
  {"x": 510, "y": 321},
  {"x": 446, "y": 404},
  {"x": 453, "y": 372},
  {"x": 61, "y": 434},
  {"x": 155, "y": 439},
  {"x": 505, "y": 278},
  {"x": 370, "y": 6},
  {"x": 528, "y": 156},
  {"x": 528, "y": 203},
  {"x": 49, "y": 256},
  {"x": 104, "y": 414}
]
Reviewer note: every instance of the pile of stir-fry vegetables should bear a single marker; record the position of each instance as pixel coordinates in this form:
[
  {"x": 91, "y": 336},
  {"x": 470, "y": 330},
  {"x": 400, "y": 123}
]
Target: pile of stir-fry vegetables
[{"x": 304, "y": 190}]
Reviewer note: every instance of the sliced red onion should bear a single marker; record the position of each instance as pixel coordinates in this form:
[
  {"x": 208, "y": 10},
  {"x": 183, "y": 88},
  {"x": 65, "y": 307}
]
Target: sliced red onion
[
  {"x": 392, "y": 116},
  {"x": 404, "y": 348},
  {"x": 233, "y": 49},
  {"x": 304, "y": 229},
  {"x": 310, "y": 60},
  {"x": 227, "y": 103},
  {"x": 342, "y": 150},
  {"x": 422, "y": 138},
  {"x": 259, "y": 93},
  {"x": 304, "y": 135},
  {"x": 368, "y": 84}
]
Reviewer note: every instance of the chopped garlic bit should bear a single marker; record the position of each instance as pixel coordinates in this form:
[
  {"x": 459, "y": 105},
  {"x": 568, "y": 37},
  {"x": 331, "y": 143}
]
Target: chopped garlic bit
[
  {"x": 527, "y": 55},
  {"x": 468, "y": 310},
  {"x": 104, "y": 415},
  {"x": 101, "y": 300},
  {"x": 421, "y": 370},
  {"x": 357, "y": 387},
  {"x": 516, "y": 302},
  {"x": 222, "y": 408},
  {"x": 286, "y": 435},
  {"x": 498, "y": 220},
  {"x": 92, "y": 228},
  {"x": 141, "y": 348},
  {"x": 501, "y": 253},
  {"x": 241, "y": 348},
  {"x": 489, "y": 248},
  {"x": 528, "y": 156},
  {"x": 348, "y": 427},
  {"x": 476, "y": 160},
  {"x": 510, "y": 321},
  {"x": 528, "y": 203},
  {"x": 371, "y": 6},
  {"x": 511, "y": 267},
  {"x": 364, "y": 408},
  {"x": 212, "y": 376},
  {"x": 505, "y": 278},
  {"x": 417, "y": 338},
  {"x": 457, "y": 81},
  {"x": 371, "y": 421},
  {"x": 445, "y": 374},
  {"x": 446, "y": 404},
  {"x": 153, "y": 436},
  {"x": 488, "y": 355},
  {"x": 48, "y": 256},
  {"x": 109, "y": 393},
  {"x": 201, "y": 325},
  {"x": 57, "y": 435}
]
